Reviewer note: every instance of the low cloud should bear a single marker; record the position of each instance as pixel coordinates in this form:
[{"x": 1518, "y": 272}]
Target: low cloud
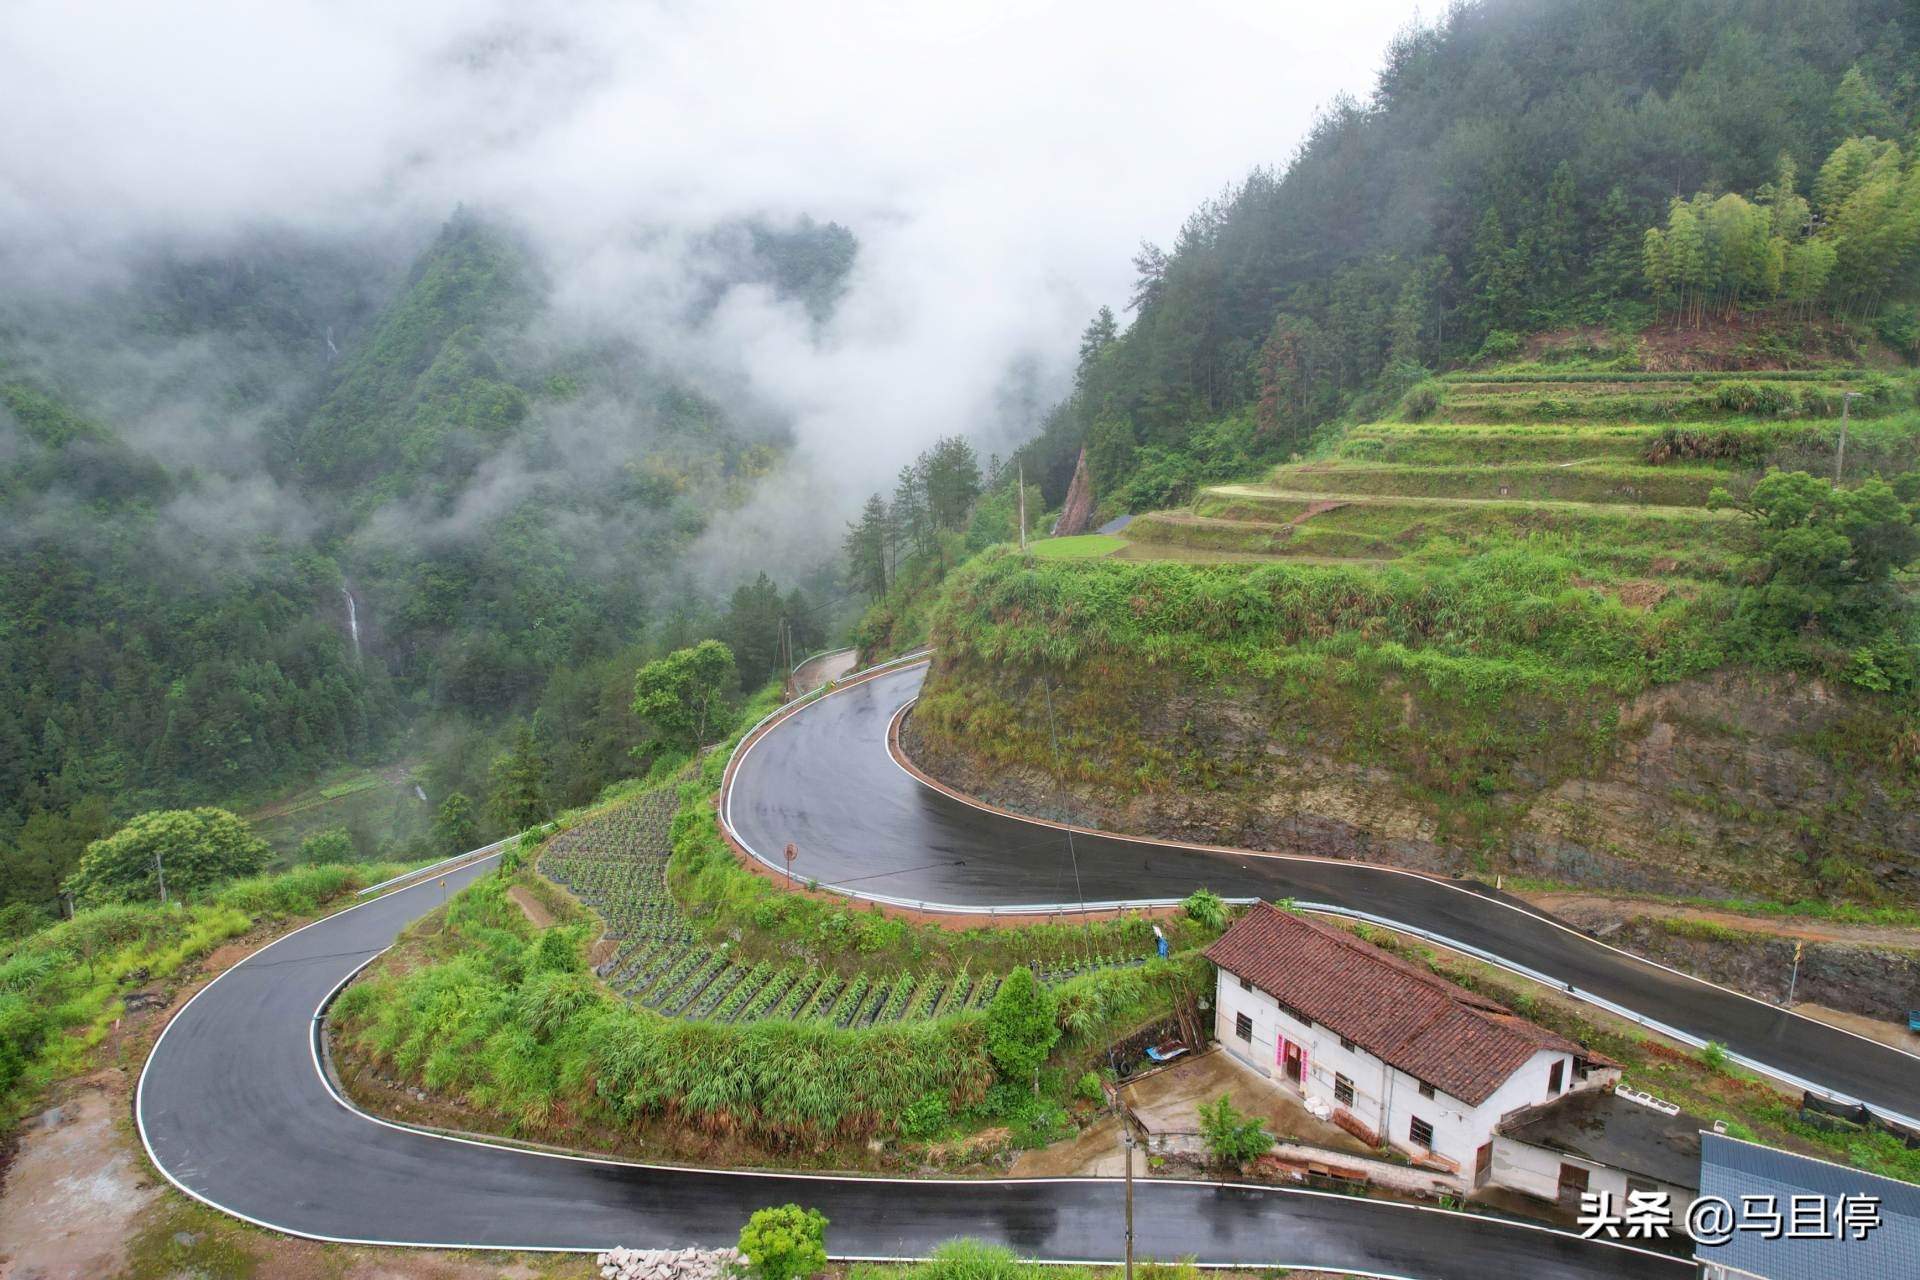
[{"x": 998, "y": 163}]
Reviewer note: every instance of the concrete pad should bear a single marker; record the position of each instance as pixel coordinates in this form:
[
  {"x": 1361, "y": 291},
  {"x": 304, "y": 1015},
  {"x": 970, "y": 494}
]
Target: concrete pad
[
  {"x": 1169, "y": 1101},
  {"x": 1095, "y": 1153}
]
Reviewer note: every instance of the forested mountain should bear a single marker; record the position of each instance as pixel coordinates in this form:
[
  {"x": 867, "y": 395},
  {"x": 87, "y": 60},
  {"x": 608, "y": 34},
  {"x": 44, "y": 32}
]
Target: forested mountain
[
  {"x": 1500, "y": 179},
  {"x": 287, "y": 504}
]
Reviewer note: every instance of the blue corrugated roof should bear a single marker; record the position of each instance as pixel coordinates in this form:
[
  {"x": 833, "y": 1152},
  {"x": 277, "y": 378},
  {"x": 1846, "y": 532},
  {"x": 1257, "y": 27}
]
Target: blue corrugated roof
[{"x": 1732, "y": 1169}]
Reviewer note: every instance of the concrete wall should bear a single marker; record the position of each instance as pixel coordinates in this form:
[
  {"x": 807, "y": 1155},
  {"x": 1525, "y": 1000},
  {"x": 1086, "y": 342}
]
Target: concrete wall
[{"x": 1384, "y": 1098}]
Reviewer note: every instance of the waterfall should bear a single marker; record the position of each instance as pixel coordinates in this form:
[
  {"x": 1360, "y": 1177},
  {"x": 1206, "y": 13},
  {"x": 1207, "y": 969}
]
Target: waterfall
[{"x": 353, "y": 622}]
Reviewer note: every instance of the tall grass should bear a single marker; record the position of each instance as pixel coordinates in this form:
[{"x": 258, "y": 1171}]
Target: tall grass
[
  {"x": 480, "y": 1007},
  {"x": 62, "y": 987},
  {"x": 519, "y": 1030}
]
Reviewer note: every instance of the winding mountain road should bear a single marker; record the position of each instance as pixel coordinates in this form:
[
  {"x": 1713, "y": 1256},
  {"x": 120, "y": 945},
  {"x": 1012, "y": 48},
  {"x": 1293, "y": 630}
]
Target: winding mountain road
[
  {"x": 234, "y": 1108},
  {"x": 825, "y": 779}
]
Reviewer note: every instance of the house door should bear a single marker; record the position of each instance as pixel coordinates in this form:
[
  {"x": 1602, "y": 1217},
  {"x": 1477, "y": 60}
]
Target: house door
[
  {"x": 1294, "y": 1062},
  {"x": 1573, "y": 1181},
  {"x": 1483, "y": 1164}
]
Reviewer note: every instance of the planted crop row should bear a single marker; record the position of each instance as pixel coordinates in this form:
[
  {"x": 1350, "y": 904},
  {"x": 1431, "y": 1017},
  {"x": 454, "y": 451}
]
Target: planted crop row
[{"x": 617, "y": 864}]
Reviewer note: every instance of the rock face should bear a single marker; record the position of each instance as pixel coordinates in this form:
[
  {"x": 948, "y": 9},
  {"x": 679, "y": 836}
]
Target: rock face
[
  {"x": 1878, "y": 982},
  {"x": 1076, "y": 515},
  {"x": 667, "y": 1264},
  {"x": 1736, "y": 783}
]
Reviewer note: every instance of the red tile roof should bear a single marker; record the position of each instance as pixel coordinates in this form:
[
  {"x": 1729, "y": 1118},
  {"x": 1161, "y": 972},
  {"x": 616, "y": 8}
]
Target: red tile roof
[{"x": 1462, "y": 1044}]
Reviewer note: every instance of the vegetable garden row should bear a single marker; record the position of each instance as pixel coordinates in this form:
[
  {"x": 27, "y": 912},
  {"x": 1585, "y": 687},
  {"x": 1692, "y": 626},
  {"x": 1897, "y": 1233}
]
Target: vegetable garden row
[{"x": 617, "y": 864}]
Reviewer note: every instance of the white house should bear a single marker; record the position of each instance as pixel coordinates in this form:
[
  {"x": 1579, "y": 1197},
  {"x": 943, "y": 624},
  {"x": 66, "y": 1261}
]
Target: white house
[
  {"x": 1600, "y": 1140},
  {"x": 1399, "y": 1054}
]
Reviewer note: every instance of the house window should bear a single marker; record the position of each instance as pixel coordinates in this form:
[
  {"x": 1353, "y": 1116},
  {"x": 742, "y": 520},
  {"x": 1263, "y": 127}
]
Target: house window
[
  {"x": 1245, "y": 985},
  {"x": 1346, "y": 1044},
  {"x": 1420, "y": 1133},
  {"x": 1641, "y": 1184},
  {"x": 1426, "y": 1090},
  {"x": 1342, "y": 1090},
  {"x": 1555, "y": 1076},
  {"x": 1243, "y": 1027}
]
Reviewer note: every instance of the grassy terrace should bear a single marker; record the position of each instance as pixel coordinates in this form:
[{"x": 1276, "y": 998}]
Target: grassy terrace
[{"x": 1609, "y": 469}]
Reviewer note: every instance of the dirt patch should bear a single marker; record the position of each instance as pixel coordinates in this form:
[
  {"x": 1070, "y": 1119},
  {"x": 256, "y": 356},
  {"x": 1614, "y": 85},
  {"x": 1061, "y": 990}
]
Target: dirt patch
[
  {"x": 1093, "y": 1153},
  {"x": 1598, "y": 910},
  {"x": 74, "y": 1189},
  {"x": 1319, "y": 509},
  {"x": 1643, "y": 595},
  {"x": 1893, "y": 1033},
  {"x": 530, "y": 906}
]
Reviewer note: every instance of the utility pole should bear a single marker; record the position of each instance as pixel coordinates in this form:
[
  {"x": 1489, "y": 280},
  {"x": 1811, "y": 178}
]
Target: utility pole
[
  {"x": 1126, "y": 1147},
  {"x": 162, "y": 873},
  {"x": 1794, "y": 981},
  {"x": 1022, "y": 482},
  {"x": 1840, "y": 455}
]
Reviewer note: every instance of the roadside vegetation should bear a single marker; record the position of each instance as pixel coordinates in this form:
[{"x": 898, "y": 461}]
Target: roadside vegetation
[{"x": 64, "y": 985}]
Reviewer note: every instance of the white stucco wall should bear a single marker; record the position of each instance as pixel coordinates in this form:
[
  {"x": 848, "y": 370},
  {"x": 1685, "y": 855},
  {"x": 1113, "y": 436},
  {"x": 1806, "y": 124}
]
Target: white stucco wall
[
  {"x": 1536, "y": 1171},
  {"x": 1385, "y": 1099}
]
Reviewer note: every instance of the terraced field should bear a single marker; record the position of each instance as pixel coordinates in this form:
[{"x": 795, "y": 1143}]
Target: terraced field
[
  {"x": 1542, "y": 455},
  {"x": 617, "y": 864}
]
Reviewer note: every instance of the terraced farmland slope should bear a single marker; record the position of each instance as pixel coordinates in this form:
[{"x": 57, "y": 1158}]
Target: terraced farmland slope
[
  {"x": 1506, "y": 633},
  {"x": 1519, "y": 454},
  {"x": 616, "y": 863}
]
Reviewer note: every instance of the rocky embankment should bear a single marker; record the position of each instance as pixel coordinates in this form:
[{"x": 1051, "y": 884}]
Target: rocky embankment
[
  {"x": 1867, "y": 971},
  {"x": 1740, "y": 783}
]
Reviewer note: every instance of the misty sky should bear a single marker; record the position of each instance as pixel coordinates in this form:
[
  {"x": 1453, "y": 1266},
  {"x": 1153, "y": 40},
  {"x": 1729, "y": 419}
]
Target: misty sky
[{"x": 999, "y": 162}]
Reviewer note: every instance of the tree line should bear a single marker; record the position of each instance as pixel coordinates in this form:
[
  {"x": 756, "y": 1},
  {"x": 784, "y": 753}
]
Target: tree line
[{"x": 1501, "y": 178}]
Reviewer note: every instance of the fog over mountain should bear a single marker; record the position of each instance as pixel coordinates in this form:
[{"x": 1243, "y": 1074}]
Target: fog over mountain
[
  {"x": 997, "y": 164},
  {"x": 373, "y": 375}
]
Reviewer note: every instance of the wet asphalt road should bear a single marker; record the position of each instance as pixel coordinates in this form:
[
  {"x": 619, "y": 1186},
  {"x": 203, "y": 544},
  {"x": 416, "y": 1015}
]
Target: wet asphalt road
[
  {"x": 234, "y": 1110},
  {"x": 825, "y": 780}
]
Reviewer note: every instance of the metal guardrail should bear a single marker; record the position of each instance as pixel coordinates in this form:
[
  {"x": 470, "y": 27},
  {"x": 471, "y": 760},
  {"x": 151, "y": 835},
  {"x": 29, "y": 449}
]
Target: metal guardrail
[
  {"x": 1137, "y": 904},
  {"x": 445, "y": 864},
  {"x": 818, "y": 653}
]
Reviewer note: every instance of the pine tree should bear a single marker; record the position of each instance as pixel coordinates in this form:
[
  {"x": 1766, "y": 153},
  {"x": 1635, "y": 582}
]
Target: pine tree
[
  {"x": 454, "y": 828},
  {"x": 517, "y": 784},
  {"x": 1098, "y": 336},
  {"x": 912, "y": 527},
  {"x": 866, "y": 546}
]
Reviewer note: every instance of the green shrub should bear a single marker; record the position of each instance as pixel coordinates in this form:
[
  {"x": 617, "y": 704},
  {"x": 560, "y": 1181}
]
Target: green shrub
[
  {"x": 192, "y": 848},
  {"x": 1090, "y": 1089},
  {"x": 785, "y": 1243},
  {"x": 22, "y": 1028},
  {"x": 1020, "y": 1028},
  {"x": 925, "y": 1118},
  {"x": 334, "y": 845},
  {"x": 1420, "y": 402},
  {"x": 1713, "y": 1056},
  {"x": 1207, "y": 908},
  {"x": 1232, "y": 1137},
  {"x": 1500, "y": 344}
]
